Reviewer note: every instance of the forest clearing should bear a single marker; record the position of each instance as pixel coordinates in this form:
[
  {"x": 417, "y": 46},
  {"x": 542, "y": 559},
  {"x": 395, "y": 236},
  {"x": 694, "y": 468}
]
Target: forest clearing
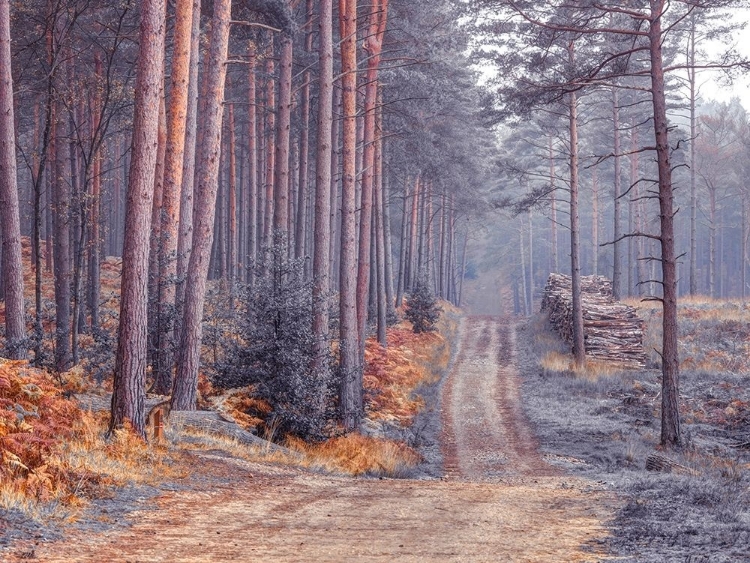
[{"x": 305, "y": 280}]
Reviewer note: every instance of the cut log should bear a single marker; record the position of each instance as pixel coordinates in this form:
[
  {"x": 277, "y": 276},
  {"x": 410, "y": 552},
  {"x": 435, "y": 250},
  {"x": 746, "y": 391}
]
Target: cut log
[
  {"x": 656, "y": 462},
  {"x": 613, "y": 332}
]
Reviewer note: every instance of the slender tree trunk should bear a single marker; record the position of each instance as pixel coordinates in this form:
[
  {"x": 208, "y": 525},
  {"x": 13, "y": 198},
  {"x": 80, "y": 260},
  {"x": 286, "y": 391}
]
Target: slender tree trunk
[
  {"x": 712, "y": 241},
  {"x": 633, "y": 213},
  {"x": 283, "y": 138},
  {"x": 304, "y": 144},
  {"x": 322, "y": 233},
  {"x": 670, "y": 416},
  {"x": 130, "y": 365},
  {"x": 524, "y": 281},
  {"x": 553, "y": 195},
  {"x": 174, "y": 161},
  {"x": 595, "y": 222},
  {"x": 618, "y": 245},
  {"x": 185, "y": 389},
  {"x": 373, "y": 47},
  {"x": 270, "y": 140},
  {"x": 403, "y": 254},
  {"x": 155, "y": 255},
  {"x": 379, "y": 241},
  {"x": 389, "y": 294},
  {"x": 531, "y": 262},
  {"x": 61, "y": 225},
  {"x": 95, "y": 236},
  {"x": 185, "y": 229},
  {"x": 233, "y": 266},
  {"x": 350, "y": 398},
  {"x": 334, "y": 256},
  {"x": 15, "y": 322},
  {"x": 691, "y": 75},
  {"x": 413, "y": 235},
  {"x": 252, "y": 144},
  {"x": 463, "y": 267},
  {"x": 579, "y": 350}
]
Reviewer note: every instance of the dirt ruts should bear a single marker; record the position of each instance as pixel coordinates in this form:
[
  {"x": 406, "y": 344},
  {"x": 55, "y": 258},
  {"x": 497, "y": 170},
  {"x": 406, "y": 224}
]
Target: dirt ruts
[
  {"x": 486, "y": 434},
  {"x": 498, "y": 500}
]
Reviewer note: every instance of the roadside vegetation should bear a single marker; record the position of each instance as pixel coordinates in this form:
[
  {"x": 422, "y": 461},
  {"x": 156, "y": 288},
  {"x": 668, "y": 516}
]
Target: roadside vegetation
[
  {"x": 603, "y": 422},
  {"x": 57, "y": 457}
]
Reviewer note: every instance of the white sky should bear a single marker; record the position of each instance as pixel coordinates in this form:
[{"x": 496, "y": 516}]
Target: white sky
[{"x": 713, "y": 85}]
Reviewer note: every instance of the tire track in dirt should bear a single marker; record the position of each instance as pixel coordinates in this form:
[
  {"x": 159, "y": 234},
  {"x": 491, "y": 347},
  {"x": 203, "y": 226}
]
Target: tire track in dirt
[
  {"x": 498, "y": 502},
  {"x": 486, "y": 435}
]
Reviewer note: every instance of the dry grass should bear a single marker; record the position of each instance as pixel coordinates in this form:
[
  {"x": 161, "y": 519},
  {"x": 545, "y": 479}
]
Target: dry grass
[
  {"x": 54, "y": 455},
  {"x": 359, "y": 455},
  {"x": 713, "y": 338}
]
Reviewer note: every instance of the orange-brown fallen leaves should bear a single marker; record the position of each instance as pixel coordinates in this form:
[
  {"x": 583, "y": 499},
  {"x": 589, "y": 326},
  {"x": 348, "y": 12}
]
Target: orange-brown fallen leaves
[
  {"x": 249, "y": 411},
  {"x": 393, "y": 374},
  {"x": 34, "y": 419}
]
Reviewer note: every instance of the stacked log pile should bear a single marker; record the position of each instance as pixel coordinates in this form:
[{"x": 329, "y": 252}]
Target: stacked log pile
[{"x": 613, "y": 331}]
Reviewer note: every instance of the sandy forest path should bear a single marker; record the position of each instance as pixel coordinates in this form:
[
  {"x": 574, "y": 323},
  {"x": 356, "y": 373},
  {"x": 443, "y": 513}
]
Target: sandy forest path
[{"x": 499, "y": 500}]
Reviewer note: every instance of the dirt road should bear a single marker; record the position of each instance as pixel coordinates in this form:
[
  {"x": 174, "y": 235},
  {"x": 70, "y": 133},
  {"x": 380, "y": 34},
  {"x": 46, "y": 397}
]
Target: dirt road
[{"x": 498, "y": 502}]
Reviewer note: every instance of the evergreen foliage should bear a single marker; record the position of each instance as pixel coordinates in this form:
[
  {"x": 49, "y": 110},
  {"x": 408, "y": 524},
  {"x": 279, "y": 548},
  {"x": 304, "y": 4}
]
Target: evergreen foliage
[
  {"x": 422, "y": 309},
  {"x": 274, "y": 350}
]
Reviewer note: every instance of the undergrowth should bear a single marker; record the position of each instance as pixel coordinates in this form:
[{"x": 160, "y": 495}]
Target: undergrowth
[{"x": 54, "y": 455}]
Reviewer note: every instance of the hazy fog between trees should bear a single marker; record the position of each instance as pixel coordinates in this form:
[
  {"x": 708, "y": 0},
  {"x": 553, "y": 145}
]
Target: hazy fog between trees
[{"x": 327, "y": 163}]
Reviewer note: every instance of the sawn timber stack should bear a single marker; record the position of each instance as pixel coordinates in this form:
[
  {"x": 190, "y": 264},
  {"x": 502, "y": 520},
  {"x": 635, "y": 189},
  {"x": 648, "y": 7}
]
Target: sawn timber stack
[{"x": 612, "y": 330}]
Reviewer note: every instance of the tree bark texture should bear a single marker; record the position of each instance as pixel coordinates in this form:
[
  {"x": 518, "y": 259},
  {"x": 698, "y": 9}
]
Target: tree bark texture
[
  {"x": 185, "y": 230},
  {"x": 15, "y": 322},
  {"x": 130, "y": 366},
  {"x": 579, "y": 350},
  {"x": 670, "y": 415},
  {"x": 350, "y": 396},
  {"x": 322, "y": 223},
  {"x": 173, "y": 179},
  {"x": 186, "y": 378}
]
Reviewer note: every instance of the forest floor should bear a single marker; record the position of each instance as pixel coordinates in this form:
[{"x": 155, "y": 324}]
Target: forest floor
[{"x": 498, "y": 499}]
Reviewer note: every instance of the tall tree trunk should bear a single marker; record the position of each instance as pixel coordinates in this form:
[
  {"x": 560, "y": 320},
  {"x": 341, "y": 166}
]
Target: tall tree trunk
[
  {"x": 389, "y": 294},
  {"x": 633, "y": 213},
  {"x": 95, "y": 237},
  {"x": 185, "y": 230},
  {"x": 691, "y": 75},
  {"x": 379, "y": 241},
  {"x": 524, "y": 281},
  {"x": 186, "y": 378},
  {"x": 154, "y": 255},
  {"x": 595, "y": 223},
  {"x": 270, "y": 140},
  {"x": 553, "y": 221},
  {"x": 618, "y": 244},
  {"x": 321, "y": 252},
  {"x": 283, "y": 139},
  {"x": 233, "y": 266},
  {"x": 304, "y": 144},
  {"x": 334, "y": 255},
  {"x": 463, "y": 267},
  {"x": 15, "y": 322},
  {"x": 61, "y": 226},
  {"x": 174, "y": 161},
  {"x": 712, "y": 275},
  {"x": 252, "y": 149},
  {"x": 350, "y": 397},
  {"x": 130, "y": 365},
  {"x": 579, "y": 350},
  {"x": 411, "y": 275},
  {"x": 403, "y": 254},
  {"x": 373, "y": 46},
  {"x": 670, "y": 415}
]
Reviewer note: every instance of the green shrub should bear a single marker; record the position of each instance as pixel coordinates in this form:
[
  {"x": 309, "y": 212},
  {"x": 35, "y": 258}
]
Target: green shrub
[{"x": 422, "y": 308}]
